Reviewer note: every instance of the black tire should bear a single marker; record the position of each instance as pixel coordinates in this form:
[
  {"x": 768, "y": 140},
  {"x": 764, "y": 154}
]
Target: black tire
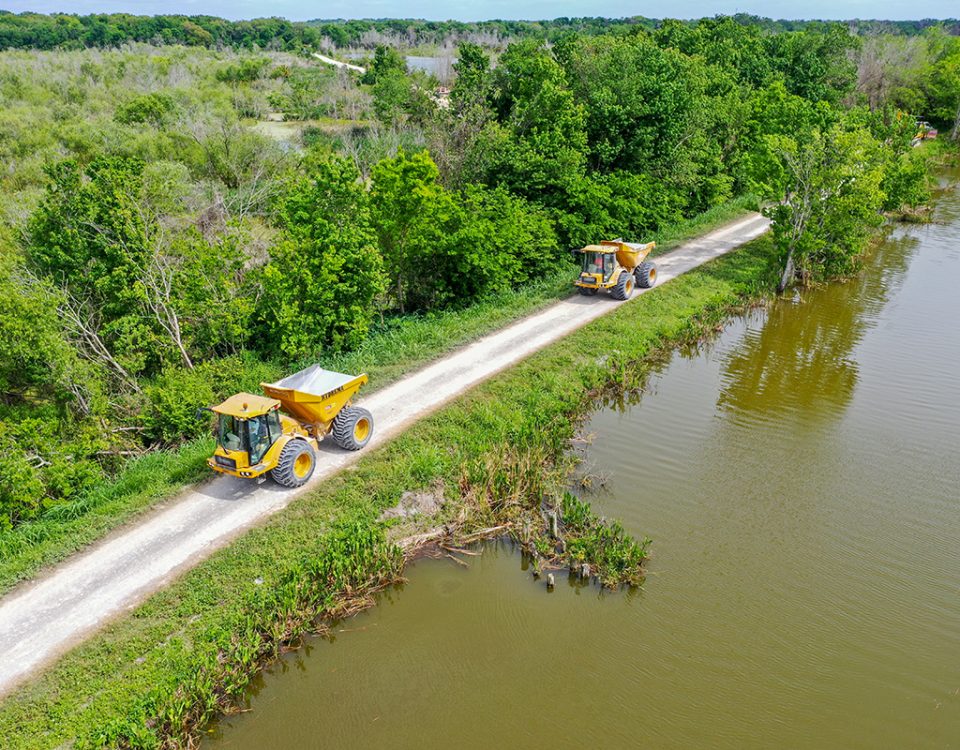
[
  {"x": 645, "y": 274},
  {"x": 293, "y": 469},
  {"x": 352, "y": 428},
  {"x": 624, "y": 288},
  {"x": 586, "y": 291}
]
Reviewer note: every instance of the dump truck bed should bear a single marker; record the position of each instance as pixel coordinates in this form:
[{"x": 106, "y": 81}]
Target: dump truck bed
[
  {"x": 314, "y": 395},
  {"x": 629, "y": 254}
]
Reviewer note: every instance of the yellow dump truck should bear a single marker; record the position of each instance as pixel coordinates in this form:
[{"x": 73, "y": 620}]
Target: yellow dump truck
[
  {"x": 616, "y": 265},
  {"x": 279, "y": 433}
]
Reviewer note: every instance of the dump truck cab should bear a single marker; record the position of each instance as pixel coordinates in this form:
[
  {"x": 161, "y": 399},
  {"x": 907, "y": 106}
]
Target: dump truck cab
[
  {"x": 617, "y": 266},
  {"x": 596, "y": 266},
  {"x": 250, "y": 432},
  {"x": 280, "y": 433}
]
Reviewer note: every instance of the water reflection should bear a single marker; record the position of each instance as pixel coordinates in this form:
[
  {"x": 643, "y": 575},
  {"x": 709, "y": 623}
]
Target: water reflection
[{"x": 804, "y": 364}]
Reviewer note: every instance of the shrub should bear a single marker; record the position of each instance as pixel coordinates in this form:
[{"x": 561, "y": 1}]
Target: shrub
[
  {"x": 169, "y": 413},
  {"x": 152, "y": 108}
]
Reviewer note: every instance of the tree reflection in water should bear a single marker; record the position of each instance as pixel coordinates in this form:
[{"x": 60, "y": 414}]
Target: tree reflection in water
[{"x": 801, "y": 361}]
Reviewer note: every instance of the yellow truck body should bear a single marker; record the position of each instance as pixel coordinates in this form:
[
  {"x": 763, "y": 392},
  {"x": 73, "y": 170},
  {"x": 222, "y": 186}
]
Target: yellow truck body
[
  {"x": 279, "y": 433},
  {"x": 617, "y": 266}
]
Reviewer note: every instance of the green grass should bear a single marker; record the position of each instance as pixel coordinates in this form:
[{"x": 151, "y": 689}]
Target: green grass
[
  {"x": 194, "y": 645},
  {"x": 395, "y": 347},
  {"x": 69, "y": 527}
]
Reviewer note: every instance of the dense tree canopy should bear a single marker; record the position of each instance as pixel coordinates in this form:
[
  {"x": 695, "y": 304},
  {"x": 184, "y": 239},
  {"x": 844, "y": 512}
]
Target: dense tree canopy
[{"x": 325, "y": 271}]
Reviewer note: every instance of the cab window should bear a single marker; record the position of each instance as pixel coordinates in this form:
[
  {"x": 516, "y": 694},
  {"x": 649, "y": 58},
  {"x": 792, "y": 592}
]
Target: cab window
[
  {"x": 229, "y": 434},
  {"x": 273, "y": 423},
  {"x": 258, "y": 432},
  {"x": 593, "y": 263}
]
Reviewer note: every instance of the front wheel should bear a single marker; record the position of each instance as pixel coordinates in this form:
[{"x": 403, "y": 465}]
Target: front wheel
[
  {"x": 352, "y": 428},
  {"x": 624, "y": 288},
  {"x": 586, "y": 291},
  {"x": 646, "y": 274},
  {"x": 296, "y": 464}
]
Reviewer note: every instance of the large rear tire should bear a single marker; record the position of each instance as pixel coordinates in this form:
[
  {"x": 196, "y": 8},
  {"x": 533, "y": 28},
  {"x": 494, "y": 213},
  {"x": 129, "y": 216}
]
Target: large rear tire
[
  {"x": 352, "y": 428},
  {"x": 624, "y": 288},
  {"x": 646, "y": 275},
  {"x": 296, "y": 464}
]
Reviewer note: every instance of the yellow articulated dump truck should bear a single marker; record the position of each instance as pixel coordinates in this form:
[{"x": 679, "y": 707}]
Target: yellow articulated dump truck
[
  {"x": 279, "y": 433},
  {"x": 617, "y": 266}
]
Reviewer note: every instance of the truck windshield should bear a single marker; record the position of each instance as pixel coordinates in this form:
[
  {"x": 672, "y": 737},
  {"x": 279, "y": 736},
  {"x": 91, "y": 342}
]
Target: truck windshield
[
  {"x": 230, "y": 433},
  {"x": 593, "y": 263}
]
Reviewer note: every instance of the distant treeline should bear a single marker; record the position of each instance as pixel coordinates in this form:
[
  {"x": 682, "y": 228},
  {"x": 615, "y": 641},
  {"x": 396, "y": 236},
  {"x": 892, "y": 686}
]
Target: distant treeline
[{"x": 68, "y": 31}]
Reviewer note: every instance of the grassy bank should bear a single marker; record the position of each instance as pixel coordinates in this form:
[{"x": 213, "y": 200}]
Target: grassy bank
[
  {"x": 187, "y": 652},
  {"x": 396, "y": 347}
]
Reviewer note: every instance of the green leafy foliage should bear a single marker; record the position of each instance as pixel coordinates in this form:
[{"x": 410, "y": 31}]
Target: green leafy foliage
[
  {"x": 324, "y": 273},
  {"x": 173, "y": 399},
  {"x": 414, "y": 217},
  {"x": 444, "y": 248},
  {"x": 88, "y": 234},
  {"x": 386, "y": 62},
  {"x": 833, "y": 203},
  {"x": 615, "y": 556},
  {"x": 247, "y": 70},
  {"x": 153, "y": 108}
]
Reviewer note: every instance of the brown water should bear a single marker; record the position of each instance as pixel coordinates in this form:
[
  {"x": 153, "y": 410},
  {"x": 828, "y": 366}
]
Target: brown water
[{"x": 800, "y": 478}]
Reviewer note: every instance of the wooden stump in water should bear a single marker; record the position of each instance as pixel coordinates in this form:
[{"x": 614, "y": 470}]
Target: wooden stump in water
[{"x": 554, "y": 524}]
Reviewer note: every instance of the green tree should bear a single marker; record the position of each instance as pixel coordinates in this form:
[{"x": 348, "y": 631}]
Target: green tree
[
  {"x": 34, "y": 354},
  {"x": 544, "y": 122},
  {"x": 386, "y": 62},
  {"x": 472, "y": 87},
  {"x": 414, "y": 217},
  {"x": 502, "y": 242},
  {"x": 815, "y": 63},
  {"x": 773, "y": 111},
  {"x": 833, "y": 202},
  {"x": 640, "y": 99},
  {"x": 942, "y": 82},
  {"x": 153, "y": 108},
  {"x": 393, "y": 94},
  {"x": 89, "y": 236},
  {"x": 325, "y": 272}
]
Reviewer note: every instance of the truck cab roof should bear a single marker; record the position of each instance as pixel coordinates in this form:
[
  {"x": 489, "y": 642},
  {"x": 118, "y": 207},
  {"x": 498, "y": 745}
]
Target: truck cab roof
[{"x": 246, "y": 405}]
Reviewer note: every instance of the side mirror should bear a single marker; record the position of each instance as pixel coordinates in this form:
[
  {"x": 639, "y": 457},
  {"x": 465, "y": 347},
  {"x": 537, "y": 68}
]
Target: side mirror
[{"x": 201, "y": 410}]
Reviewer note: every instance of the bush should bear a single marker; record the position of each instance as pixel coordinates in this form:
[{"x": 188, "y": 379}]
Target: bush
[
  {"x": 172, "y": 400},
  {"x": 905, "y": 183},
  {"x": 150, "y": 108},
  {"x": 247, "y": 70},
  {"x": 20, "y": 486}
]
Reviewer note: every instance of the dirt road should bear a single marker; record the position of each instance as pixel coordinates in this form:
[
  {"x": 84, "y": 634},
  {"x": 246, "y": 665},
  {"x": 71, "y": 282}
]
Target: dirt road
[{"x": 40, "y": 621}]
